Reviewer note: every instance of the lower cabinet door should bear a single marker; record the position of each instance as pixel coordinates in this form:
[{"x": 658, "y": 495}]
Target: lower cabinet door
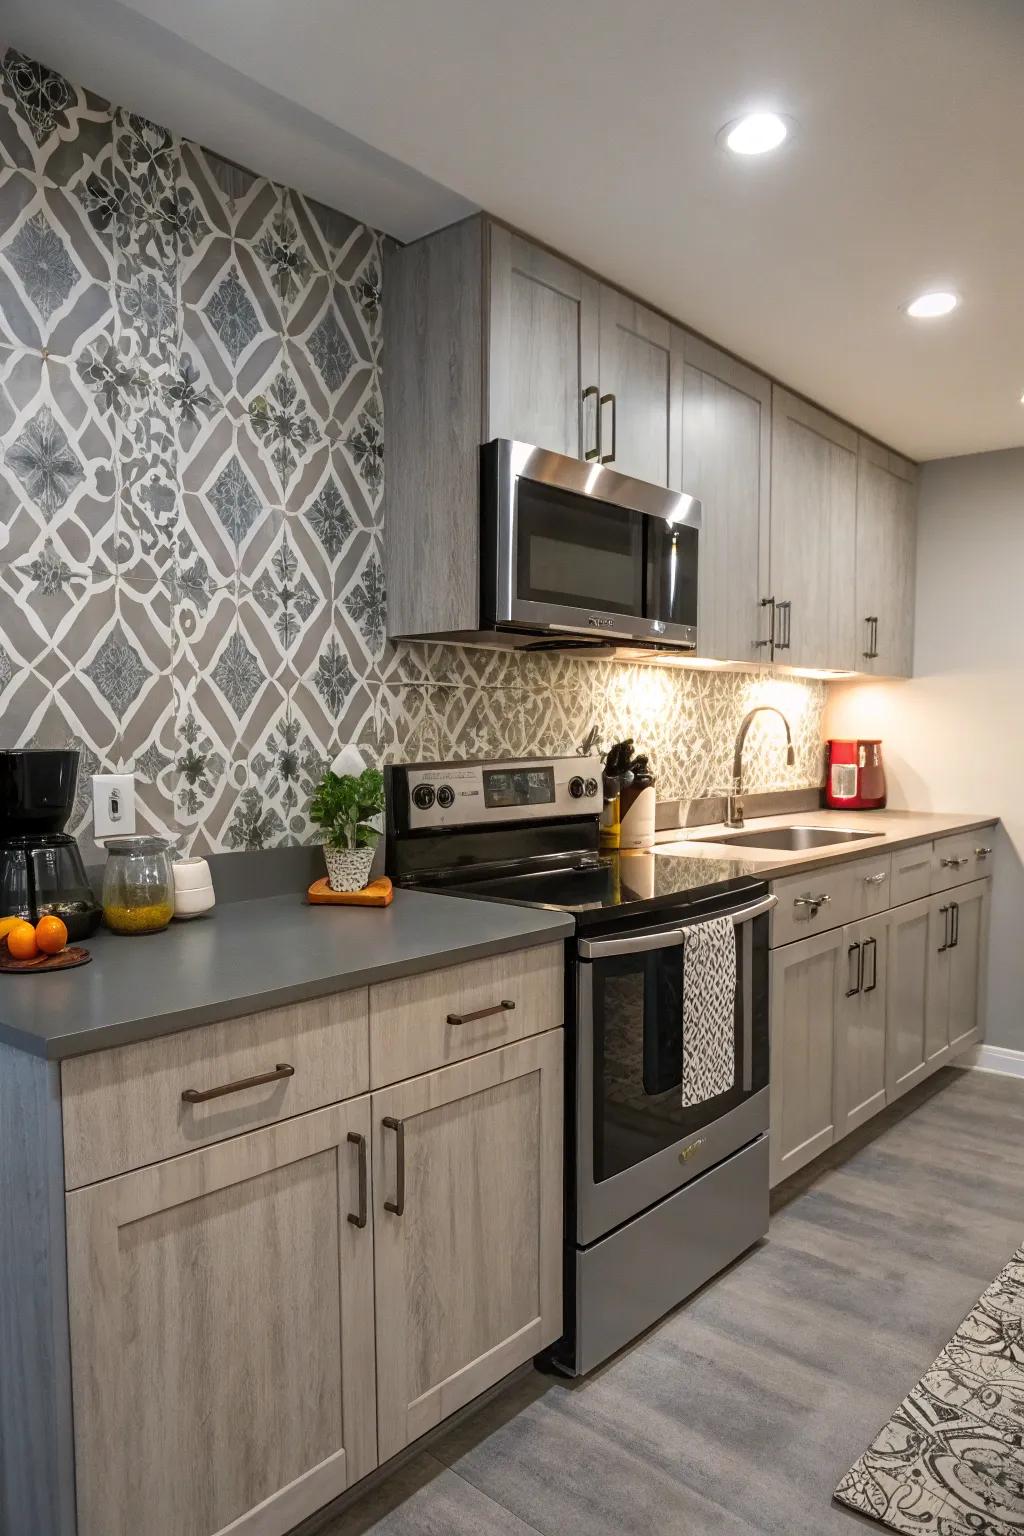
[
  {"x": 967, "y": 958},
  {"x": 860, "y": 1032},
  {"x": 907, "y": 1009},
  {"x": 468, "y": 1230},
  {"x": 806, "y": 981},
  {"x": 936, "y": 1022},
  {"x": 222, "y": 1333}
]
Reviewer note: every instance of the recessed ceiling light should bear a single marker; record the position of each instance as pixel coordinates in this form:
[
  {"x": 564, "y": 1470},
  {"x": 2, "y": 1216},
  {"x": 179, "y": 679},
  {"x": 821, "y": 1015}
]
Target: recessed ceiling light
[
  {"x": 929, "y": 306},
  {"x": 755, "y": 134}
]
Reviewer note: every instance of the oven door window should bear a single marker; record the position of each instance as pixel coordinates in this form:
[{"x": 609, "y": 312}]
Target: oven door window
[
  {"x": 638, "y": 1055},
  {"x": 576, "y": 552},
  {"x": 671, "y": 572}
]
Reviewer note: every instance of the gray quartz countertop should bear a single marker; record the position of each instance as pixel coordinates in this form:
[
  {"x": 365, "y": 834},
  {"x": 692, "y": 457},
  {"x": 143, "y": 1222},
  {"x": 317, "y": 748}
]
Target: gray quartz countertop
[{"x": 249, "y": 955}]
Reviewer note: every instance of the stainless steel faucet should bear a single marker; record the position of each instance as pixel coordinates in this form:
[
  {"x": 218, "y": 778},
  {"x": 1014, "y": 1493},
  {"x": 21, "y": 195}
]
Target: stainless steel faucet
[{"x": 734, "y": 797}]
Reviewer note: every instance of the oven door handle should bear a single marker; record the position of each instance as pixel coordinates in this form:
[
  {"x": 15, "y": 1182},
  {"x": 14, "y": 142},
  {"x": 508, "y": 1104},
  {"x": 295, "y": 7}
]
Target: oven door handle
[{"x": 638, "y": 943}]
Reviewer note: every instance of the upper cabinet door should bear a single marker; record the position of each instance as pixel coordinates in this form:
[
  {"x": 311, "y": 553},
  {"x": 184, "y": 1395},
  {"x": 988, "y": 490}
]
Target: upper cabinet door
[
  {"x": 543, "y": 351},
  {"x": 886, "y": 534},
  {"x": 726, "y": 461},
  {"x": 813, "y": 534},
  {"x": 641, "y": 391}
]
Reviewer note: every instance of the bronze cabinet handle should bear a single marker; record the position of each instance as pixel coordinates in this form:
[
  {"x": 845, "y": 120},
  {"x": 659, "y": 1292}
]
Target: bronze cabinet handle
[
  {"x": 595, "y": 452},
  {"x": 360, "y": 1142},
  {"x": 202, "y": 1095},
  {"x": 505, "y": 1006},
  {"x": 397, "y": 1205}
]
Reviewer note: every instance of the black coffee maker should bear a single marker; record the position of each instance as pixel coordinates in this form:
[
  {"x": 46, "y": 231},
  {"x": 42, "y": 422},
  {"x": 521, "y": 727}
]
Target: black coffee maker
[{"x": 41, "y": 867}]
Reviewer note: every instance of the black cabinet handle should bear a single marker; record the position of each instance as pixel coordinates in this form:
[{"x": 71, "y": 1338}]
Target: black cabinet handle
[
  {"x": 609, "y": 399},
  {"x": 785, "y": 609},
  {"x": 872, "y": 651},
  {"x": 872, "y": 944},
  {"x": 955, "y": 913},
  {"x": 855, "y": 949},
  {"x": 397, "y": 1205},
  {"x": 360, "y": 1142},
  {"x": 595, "y": 452},
  {"x": 768, "y": 602},
  {"x": 945, "y": 930}
]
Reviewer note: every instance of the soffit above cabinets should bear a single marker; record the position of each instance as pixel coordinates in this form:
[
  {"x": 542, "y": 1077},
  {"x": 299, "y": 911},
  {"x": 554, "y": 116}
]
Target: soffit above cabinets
[{"x": 593, "y": 129}]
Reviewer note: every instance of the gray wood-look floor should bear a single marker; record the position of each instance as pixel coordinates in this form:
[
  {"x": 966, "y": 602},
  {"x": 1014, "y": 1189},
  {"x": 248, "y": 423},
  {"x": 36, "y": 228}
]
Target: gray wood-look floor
[{"x": 740, "y": 1411}]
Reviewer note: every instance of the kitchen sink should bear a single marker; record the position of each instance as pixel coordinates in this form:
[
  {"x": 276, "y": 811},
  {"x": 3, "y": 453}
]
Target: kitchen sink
[{"x": 789, "y": 839}]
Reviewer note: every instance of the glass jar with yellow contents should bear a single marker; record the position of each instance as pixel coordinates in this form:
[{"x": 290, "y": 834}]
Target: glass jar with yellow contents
[{"x": 138, "y": 887}]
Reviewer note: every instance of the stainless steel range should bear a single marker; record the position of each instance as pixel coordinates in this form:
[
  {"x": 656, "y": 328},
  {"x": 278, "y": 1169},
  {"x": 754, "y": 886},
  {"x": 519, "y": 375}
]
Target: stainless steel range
[{"x": 659, "y": 1195}]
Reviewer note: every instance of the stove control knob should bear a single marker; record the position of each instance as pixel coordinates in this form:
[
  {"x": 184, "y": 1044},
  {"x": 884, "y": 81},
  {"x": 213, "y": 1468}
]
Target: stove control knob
[
  {"x": 591, "y": 787},
  {"x": 423, "y": 796},
  {"x": 446, "y": 797},
  {"x": 577, "y": 788}
]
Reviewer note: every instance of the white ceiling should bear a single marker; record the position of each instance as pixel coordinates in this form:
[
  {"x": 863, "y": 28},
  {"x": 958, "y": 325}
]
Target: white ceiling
[{"x": 591, "y": 124}]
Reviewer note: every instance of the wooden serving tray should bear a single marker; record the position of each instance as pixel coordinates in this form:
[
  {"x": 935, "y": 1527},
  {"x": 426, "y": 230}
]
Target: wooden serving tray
[
  {"x": 379, "y": 893},
  {"x": 68, "y": 958}
]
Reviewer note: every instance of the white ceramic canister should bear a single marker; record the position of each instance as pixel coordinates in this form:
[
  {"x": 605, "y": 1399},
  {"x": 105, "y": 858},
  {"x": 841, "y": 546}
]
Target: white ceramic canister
[{"x": 193, "y": 887}]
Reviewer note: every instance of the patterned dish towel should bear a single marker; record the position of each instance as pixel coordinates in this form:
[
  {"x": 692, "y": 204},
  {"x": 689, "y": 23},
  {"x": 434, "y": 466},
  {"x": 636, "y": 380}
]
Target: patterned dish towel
[{"x": 709, "y": 1009}]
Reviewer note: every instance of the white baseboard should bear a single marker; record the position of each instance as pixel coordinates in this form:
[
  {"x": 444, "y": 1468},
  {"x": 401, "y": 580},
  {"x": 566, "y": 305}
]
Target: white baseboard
[{"x": 994, "y": 1058}]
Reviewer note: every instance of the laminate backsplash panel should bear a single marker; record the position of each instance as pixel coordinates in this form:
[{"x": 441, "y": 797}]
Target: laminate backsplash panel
[{"x": 192, "y": 494}]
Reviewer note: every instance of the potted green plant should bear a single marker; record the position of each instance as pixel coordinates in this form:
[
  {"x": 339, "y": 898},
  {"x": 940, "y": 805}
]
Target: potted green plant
[{"x": 342, "y": 806}]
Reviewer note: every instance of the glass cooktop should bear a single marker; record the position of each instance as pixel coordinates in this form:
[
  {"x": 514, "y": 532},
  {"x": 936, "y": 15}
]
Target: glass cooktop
[{"x": 616, "y": 882}]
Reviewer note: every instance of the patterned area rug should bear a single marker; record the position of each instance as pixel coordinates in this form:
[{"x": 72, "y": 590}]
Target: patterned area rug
[{"x": 950, "y": 1461}]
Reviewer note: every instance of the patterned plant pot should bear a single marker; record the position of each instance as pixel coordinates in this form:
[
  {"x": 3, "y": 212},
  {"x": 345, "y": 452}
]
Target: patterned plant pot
[{"x": 348, "y": 869}]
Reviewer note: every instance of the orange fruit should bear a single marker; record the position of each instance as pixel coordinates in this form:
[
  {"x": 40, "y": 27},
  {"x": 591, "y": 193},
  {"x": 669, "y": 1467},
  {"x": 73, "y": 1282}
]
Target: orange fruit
[
  {"x": 51, "y": 935},
  {"x": 21, "y": 942},
  {"x": 7, "y": 923}
]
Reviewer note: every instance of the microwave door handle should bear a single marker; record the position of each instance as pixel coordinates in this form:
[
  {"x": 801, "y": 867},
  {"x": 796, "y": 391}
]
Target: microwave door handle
[{"x": 609, "y": 399}]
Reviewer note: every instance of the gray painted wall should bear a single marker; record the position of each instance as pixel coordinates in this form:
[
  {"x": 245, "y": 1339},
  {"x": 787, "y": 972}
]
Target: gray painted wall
[{"x": 954, "y": 733}]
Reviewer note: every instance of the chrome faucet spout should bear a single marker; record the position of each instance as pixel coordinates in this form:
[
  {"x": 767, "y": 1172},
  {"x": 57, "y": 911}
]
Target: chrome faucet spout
[{"x": 734, "y": 800}]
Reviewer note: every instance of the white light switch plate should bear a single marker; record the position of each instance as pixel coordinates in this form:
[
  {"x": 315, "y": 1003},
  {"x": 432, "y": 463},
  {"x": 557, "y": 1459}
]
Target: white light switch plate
[{"x": 113, "y": 804}]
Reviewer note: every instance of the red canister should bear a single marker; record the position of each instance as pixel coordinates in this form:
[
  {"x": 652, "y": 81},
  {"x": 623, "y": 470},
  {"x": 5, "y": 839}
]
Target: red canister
[{"x": 855, "y": 777}]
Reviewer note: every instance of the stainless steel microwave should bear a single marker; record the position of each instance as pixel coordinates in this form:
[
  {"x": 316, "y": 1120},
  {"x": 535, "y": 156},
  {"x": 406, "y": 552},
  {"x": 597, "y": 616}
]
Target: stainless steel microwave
[{"x": 570, "y": 548}]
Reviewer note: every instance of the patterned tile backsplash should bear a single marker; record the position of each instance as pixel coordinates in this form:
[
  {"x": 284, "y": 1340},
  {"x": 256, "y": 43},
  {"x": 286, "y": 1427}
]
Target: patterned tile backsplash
[{"x": 191, "y": 504}]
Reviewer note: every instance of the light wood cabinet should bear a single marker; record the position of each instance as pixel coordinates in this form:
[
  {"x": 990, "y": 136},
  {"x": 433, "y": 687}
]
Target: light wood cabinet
[
  {"x": 222, "y": 1349},
  {"x": 641, "y": 391},
  {"x": 468, "y": 1224},
  {"x": 959, "y": 941},
  {"x": 806, "y": 981},
  {"x": 726, "y": 462},
  {"x": 910, "y": 949},
  {"x": 860, "y": 1032},
  {"x": 813, "y": 534},
  {"x": 886, "y": 542},
  {"x": 542, "y": 325}
]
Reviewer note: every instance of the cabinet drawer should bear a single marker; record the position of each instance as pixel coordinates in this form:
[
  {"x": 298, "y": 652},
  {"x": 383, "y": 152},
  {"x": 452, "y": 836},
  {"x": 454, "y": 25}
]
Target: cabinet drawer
[
  {"x": 123, "y": 1108},
  {"x": 956, "y": 860},
  {"x": 848, "y": 892},
  {"x": 415, "y": 1022},
  {"x": 911, "y": 874}
]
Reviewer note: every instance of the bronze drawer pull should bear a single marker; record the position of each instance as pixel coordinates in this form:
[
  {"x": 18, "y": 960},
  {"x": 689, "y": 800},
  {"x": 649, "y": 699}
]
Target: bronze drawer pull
[
  {"x": 360, "y": 1142},
  {"x": 201, "y": 1095},
  {"x": 397, "y": 1205},
  {"x": 505, "y": 1006}
]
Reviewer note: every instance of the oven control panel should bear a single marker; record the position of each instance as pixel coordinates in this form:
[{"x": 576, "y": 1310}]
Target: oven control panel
[{"x": 471, "y": 794}]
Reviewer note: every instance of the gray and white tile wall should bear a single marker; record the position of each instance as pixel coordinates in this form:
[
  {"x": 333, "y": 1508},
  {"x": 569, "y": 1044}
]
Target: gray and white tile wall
[{"x": 191, "y": 503}]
